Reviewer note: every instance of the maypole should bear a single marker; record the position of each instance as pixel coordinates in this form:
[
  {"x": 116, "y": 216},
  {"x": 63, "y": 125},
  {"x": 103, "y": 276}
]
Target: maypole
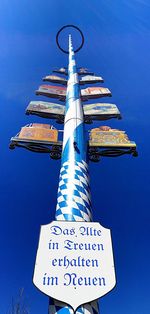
[
  {"x": 74, "y": 263},
  {"x": 74, "y": 201}
]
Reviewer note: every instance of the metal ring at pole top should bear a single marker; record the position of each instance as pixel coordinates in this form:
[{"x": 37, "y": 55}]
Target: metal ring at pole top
[{"x": 57, "y": 38}]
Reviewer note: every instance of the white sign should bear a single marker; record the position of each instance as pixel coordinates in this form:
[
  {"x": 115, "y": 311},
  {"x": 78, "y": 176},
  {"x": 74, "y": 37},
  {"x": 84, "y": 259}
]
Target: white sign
[{"x": 74, "y": 262}]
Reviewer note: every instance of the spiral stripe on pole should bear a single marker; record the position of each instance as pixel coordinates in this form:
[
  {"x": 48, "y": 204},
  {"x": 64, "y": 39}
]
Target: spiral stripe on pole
[{"x": 74, "y": 199}]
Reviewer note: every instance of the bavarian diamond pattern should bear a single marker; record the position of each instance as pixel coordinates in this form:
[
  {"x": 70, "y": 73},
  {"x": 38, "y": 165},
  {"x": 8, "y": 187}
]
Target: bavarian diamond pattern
[
  {"x": 59, "y": 307},
  {"x": 79, "y": 208}
]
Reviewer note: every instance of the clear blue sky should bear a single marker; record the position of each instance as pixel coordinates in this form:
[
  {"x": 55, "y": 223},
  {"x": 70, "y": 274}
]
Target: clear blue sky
[{"x": 117, "y": 45}]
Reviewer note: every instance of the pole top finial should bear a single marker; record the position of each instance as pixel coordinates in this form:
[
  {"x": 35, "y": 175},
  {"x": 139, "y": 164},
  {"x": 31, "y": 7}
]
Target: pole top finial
[{"x": 70, "y": 38}]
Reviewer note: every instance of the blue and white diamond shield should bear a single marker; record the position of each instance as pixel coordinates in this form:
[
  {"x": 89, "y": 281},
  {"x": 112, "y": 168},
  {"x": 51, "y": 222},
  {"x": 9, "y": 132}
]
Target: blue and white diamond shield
[{"x": 74, "y": 262}]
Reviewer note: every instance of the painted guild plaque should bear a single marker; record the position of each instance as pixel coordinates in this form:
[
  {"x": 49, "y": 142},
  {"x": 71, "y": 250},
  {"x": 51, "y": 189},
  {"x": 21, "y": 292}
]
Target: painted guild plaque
[
  {"x": 61, "y": 70},
  {"x": 74, "y": 262},
  {"x": 45, "y": 107},
  {"x": 54, "y": 89},
  {"x": 55, "y": 79},
  {"x": 82, "y": 71},
  {"x": 39, "y": 132},
  {"x": 105, "y": 136},
  {"x": 87, "y": 79},
  {"x": 101, "y": 109},
  {"x": 95, "y": 92}
]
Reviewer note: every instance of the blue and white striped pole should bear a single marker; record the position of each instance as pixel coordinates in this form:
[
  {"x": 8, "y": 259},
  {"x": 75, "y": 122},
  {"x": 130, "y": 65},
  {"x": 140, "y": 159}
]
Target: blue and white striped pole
[{"x": 73, "y": 202}]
